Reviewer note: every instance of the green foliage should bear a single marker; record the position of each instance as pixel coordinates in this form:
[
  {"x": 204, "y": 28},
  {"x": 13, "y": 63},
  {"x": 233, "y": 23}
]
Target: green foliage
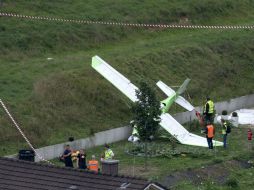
[
  {"x": 217, "y": 160},
  {"x": 232, "y": 182},
  {"x": 164, "y": 135},
  {"x": 146, "y": 112},
  {"x": 157, "y": 149}
]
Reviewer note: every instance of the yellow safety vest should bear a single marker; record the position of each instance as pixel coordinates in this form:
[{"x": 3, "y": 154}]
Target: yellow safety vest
[
  {"x": 211, "y": 106},
  {"x": 74, "y": 155},
  {"x": 108, "y": 154},
  {"x": 224, "y": 128},
  {"x": 135, "y": 131}
]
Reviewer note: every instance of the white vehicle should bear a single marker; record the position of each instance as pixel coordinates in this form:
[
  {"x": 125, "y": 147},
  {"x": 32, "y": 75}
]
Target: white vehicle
[{"x": 167, "y": 121}]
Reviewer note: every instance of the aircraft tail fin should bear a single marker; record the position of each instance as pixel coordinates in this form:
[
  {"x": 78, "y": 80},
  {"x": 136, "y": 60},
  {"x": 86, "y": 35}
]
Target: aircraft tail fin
[
  {"x": 178, "y": 99},
  {"x": 183, "y": 86}
]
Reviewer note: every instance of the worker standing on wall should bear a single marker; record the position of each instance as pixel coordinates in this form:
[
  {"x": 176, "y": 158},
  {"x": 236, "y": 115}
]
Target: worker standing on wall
[
  {"x": 134, "y": 135},
  {"x": 209, "y": 110}
]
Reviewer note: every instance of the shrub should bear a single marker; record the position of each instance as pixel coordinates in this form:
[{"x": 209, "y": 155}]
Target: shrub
[
  {"x": 71, "y": 139},
  {"x": 217, "y": 160},
  {"x": 232, "y": 182}
]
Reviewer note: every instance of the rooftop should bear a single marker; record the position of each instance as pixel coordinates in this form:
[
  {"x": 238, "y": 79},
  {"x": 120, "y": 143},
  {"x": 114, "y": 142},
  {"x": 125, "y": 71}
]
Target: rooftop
[{"x": 23, "y": 175}]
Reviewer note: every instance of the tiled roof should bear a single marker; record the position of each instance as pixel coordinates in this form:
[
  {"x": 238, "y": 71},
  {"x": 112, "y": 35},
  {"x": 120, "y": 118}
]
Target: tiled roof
[{"x": 23, "y": 175}]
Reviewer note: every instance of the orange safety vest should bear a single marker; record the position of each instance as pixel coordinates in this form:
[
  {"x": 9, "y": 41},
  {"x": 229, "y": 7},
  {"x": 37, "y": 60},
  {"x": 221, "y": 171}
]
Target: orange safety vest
[
  {"x": 210, "y": 131},
  {"x": 93, "y": 165}
]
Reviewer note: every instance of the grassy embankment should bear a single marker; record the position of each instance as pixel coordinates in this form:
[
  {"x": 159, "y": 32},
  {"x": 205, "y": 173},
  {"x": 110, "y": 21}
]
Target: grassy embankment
[{"x": 55, "y": 99}]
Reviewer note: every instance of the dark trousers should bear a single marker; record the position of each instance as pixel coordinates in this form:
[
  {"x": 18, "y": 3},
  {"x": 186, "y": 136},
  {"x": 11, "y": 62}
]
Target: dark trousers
[
  {"x": 224, "y": 140},
  {"x": 210, "y": 142},
  {"x": 209, "y": 117},
  {"x": 68, "y": 163},
  {"x": 82, "y": 166}
]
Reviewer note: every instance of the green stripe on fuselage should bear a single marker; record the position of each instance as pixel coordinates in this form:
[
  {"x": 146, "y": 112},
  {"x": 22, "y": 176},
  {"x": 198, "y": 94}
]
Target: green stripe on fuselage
[{"x": 168, "y": 102}]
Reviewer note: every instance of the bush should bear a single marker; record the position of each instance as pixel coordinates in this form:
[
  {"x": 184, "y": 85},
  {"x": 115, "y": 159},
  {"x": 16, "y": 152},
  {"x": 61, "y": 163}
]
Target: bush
[
  {"x": 71, "y": 139},
  {"x": 217, "y": 160},
  {"x": 232, "y": 182},
  {"x": 224, "y": 112}
]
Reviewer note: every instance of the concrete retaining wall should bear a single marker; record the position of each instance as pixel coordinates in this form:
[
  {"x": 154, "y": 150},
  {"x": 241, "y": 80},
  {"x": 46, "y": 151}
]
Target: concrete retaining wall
[
  {"x": 123, "y": 133},
  {"x": 230, "y": 105},
  {"x": 109, "y": 136}
]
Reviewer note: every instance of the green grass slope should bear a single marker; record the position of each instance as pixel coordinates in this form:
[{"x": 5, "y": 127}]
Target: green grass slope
[
  {"x": 33, "y": 38},
  {"x": 62, "y": 97}
]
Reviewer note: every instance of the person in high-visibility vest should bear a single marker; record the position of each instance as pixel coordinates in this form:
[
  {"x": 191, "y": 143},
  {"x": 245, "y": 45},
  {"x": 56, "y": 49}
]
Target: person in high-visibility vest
[
  {"x": 135, "y": 131},
  {"x": 93, "y": 165},
  {"x": 224, "y": 132},
  {"x": 209, "y": 110},
  {"x": 210, "y": 131},
  {"x": 134, "y": 135},
  {"x": 109, "y": 154},
  {"x": 74, "y": 155}
]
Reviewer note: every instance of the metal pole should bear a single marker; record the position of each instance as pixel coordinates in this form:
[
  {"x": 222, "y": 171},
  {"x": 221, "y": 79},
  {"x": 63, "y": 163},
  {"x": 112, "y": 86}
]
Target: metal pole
[
  {"x": 133, "y": 168},
  {"x": 214, "y": 144}
]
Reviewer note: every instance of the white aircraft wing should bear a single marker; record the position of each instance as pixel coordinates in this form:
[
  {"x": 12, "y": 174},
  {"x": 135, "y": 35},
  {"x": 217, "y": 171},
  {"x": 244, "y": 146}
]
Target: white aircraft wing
[
  {"x": 184, "y": 103},
  {"x": 165, "y": 88},
  {"x": 113, "y": 76},
  {"x": 181, "y": 134}
]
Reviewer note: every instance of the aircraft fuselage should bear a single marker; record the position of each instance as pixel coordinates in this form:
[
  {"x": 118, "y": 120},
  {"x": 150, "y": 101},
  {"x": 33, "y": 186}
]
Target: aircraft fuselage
[{"x": 166, "y": 104}]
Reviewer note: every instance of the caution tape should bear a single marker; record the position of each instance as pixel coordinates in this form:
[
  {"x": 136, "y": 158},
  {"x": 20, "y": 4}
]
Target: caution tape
[
  {"x": 170, "y": 26},
  {"x": 23, "y": 135}
]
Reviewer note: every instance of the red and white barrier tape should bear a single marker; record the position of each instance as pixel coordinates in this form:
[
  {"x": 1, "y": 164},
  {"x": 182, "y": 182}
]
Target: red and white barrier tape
[
  {"x": 128, "y": 24},
  {"x": 21, "y": 132}
]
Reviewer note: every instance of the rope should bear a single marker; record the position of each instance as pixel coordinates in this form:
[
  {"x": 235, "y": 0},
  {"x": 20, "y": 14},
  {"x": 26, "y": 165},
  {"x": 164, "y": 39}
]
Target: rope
[
  {"x": 23, "y": 135},
  {"x": 142, "y": 25}
]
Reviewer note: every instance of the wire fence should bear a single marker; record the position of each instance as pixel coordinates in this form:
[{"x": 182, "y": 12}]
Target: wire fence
[{"x": 124, "y": 24}]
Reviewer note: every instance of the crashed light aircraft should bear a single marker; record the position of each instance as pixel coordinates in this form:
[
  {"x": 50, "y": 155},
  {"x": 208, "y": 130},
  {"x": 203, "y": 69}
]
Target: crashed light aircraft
[{"x": 167, "y": 121}]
